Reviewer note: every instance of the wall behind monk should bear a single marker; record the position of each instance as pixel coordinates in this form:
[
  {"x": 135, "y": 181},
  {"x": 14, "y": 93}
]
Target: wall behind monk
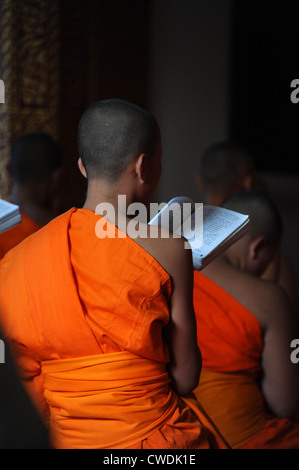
[
  {"x": 189, "y": 85},
  {"x": 104, "y": 54},
  {"x": 56, "y": 58},
  {"x": 222, "y": 70},
  {"x": 263, "y": 116}
]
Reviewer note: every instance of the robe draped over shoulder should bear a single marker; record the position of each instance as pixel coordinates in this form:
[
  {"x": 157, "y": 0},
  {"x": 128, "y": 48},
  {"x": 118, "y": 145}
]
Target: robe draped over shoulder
[
  {"x": 85, "y": 317},
  {"x": 231, "y": 343}
]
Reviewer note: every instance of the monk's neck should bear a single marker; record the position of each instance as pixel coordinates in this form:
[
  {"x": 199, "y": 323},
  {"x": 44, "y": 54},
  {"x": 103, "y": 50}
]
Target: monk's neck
[{"x": 104, "y": 193}]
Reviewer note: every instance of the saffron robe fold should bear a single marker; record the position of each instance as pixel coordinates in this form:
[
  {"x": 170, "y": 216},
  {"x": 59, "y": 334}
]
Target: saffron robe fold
[
  {"x": 85, "y": 319},
  {"x": 17, "y": 234},
  {"x": 231, "y": 343}
]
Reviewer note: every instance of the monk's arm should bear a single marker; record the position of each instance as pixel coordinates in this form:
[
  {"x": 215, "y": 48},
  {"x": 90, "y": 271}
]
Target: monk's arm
[
  {"x": 280, "y": 382},
  {"x": 181, "y": 332}
]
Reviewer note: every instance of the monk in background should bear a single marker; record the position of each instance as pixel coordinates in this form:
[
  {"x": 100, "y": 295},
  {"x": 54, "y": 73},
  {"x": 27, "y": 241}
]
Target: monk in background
[
  {"x": 103, "y": 327},
  {"x": 226, "y": 168},
  {"x": 33, "y": 168},
  {"x": 245, "y": 326}
]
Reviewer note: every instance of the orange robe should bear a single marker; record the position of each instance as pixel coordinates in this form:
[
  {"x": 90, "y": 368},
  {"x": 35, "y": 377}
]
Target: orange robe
[
  {"x": 17, "y": 234},
  {"x": 85, "y": 319},
  {"x": 231, "y": 344}
]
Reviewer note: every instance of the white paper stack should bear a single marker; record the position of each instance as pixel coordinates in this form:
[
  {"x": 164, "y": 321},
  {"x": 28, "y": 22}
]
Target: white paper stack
[{"x": 10, "y": 215}]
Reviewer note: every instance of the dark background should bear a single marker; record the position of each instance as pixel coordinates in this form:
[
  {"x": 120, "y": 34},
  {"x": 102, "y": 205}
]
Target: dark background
[{"x": 264, "y": 63}]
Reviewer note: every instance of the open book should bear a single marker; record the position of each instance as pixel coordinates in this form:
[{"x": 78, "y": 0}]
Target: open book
[
  {"x": 209, "y": 230},
  {"x": 9, "y": 215}
]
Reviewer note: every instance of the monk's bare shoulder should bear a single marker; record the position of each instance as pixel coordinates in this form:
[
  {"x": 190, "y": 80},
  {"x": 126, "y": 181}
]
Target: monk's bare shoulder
[
  {"x": 172, "y": 253},
  {"x": 265, "y": 299}
]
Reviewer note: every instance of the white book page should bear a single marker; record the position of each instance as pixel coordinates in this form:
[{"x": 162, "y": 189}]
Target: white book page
[
  {"x": 192, "y": 227},
  {"x": 7, "y": 208},
  {"x": 218, "y": 224},
  {"x": 214, "y": 226},
  {"x": 9, "y": 215},
  {"x": 173, "y": 214}
]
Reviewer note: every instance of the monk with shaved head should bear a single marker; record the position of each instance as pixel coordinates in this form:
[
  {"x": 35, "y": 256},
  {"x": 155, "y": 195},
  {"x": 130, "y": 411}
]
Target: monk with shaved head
[
  {"x": 35, "y": 161},
  {"x": 226, "y": 168},
  {"x": 245, "y": 327},
  {"x": 103, "y": 328}
]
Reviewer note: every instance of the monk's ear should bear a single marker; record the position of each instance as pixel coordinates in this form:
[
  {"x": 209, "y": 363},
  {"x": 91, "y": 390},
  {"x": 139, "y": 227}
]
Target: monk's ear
[
  {"x": 199, "y": 182},
  {"x": 248, "y": 181},
  {"x": 256, "y": 247},
  {"x": 82, "y": 168},
  {"x": 141, "y": 167}
]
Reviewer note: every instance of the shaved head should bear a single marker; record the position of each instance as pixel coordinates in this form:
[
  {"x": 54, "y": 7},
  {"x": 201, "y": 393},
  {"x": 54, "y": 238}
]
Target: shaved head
[
  {"x": 33, "y": 157},
  {"x": 111, "y": 133},
  {"x": 223, "y": 165},
  {"x": 264, "y": 216}
]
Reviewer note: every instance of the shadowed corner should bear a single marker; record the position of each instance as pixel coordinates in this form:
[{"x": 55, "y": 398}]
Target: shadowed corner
[{"x": 21, "y": 426}]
